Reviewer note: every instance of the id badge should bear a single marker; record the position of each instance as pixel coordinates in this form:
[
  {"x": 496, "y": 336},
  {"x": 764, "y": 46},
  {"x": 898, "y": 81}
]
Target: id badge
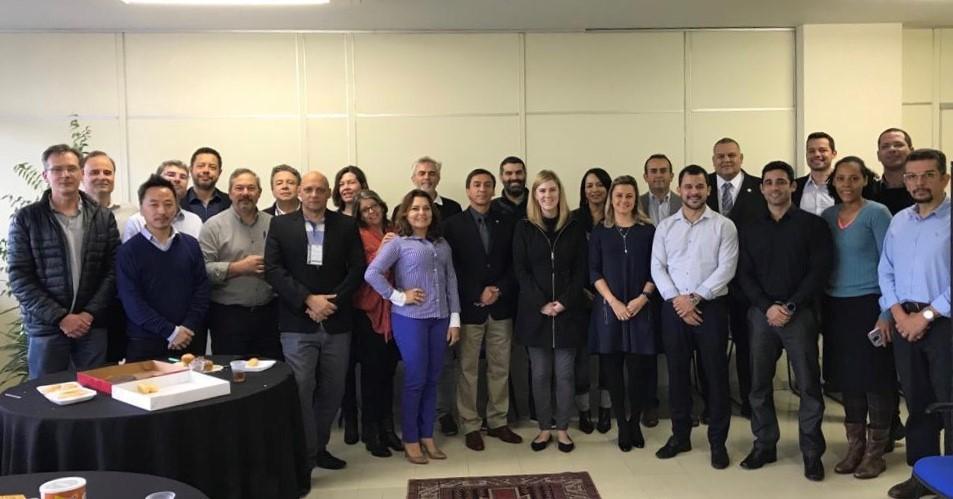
[{"x": 315, "y": 254}]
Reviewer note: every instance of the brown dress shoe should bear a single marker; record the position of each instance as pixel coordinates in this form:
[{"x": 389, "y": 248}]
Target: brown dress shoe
[
  {"x": 505, "y": 434},
  {"x": 474, "y": 441}
]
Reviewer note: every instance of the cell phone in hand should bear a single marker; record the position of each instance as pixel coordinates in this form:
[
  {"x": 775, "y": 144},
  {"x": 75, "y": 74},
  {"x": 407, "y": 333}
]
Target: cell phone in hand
[{"x": 876, "y": 337}]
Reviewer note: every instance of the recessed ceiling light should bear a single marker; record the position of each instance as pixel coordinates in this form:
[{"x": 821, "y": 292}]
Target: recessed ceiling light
[{"x": 262, "y": 3}]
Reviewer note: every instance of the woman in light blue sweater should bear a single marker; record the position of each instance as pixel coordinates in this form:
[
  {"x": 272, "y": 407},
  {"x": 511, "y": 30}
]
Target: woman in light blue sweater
[{"x": 862, "y": 372}]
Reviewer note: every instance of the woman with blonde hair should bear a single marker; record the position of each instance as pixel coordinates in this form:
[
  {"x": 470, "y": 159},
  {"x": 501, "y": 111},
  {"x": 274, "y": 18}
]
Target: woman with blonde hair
[
  {"x": 549, "y": 259},
  {"x": 620, "y": 268}
]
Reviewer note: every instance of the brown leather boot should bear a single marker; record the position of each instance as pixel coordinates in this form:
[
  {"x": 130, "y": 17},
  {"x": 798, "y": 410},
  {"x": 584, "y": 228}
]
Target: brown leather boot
[
  {"x": 856, "y": 441},
  {"x": 873, "y": 463}
]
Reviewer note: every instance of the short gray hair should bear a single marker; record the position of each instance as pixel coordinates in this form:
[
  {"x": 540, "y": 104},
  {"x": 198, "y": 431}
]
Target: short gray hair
[
  {"x": 425, "y": 159},
  {"x": 243, "y": 171}
]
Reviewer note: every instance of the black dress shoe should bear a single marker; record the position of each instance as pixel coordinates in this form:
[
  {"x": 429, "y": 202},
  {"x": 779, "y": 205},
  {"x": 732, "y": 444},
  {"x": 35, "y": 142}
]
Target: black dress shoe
[
  {"x": 625, "y": 437},
  {"x": 585, "y": 422},
  {"x": 327, "y": 461},
  {"x": 719, "y": 458},
  {"x": 909, "y": 489},
  {"x": 638, "y": 441},
  {"x": 448, "y": 426},
  {"x": 391, "y": 440},
  {"x": 650, "y": 417},
  {"x": 673, "y": 448},
  {"x": 605, "y": 420},
  {"x": 566, "y": 447},
  {"x": 538, "y": 446},
  {"x": 813, "y": 469},
  {"x": 758, "y": 458}
]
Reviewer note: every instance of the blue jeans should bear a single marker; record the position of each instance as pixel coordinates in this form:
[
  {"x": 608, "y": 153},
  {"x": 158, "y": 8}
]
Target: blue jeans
[
  {"x": 51, "y": 353},
  {"x": 422, "y": 344}
]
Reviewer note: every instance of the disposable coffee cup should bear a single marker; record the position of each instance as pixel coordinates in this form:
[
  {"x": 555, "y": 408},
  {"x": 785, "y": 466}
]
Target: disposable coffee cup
[{"x": 70, "y": 487}]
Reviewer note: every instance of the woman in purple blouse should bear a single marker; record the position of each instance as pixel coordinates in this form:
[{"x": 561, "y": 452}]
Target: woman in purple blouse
[{"x": 425, "y": 315}]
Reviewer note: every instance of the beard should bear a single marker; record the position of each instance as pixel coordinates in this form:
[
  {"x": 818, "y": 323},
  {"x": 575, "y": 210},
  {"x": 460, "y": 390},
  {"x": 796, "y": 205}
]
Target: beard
[{"x": 515, "y": 188}]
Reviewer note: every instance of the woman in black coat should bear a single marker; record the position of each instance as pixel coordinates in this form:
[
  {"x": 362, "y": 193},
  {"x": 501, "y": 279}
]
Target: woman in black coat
[
  {"x": 550, "y": 262},
  {"x": 593, "y": 193},
  {"x": 620, "y": 260}
]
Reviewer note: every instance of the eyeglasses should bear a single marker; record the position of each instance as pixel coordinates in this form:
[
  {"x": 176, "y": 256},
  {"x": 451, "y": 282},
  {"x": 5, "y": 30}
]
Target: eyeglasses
[
  {"x": 914, "y": 177},
  {"x": 62, "y": 170},
  {"x": 370, "y": 209}
]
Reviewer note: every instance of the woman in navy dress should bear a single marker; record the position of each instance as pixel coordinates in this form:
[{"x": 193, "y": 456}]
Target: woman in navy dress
[{"x": 620, "y": 255}]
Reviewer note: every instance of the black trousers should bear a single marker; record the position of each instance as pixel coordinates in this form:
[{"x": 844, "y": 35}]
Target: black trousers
[
  {"x": 149, "y": 349},
  {"x": 741, "y": 335},
  {"x": 799, "y": 339},
  {"x": 115, "y": 332},
  {"x": 711, "y": 340},
  {"x": 378, "y": 361},
  {"x": 614, "y": 367},
  {"x": 925, "y": 373},
  {"x": 244, "y": 331}
]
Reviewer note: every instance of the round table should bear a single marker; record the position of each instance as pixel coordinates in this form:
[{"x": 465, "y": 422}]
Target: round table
[
  {"x": 248, "y": 444},
  {"x": 102, "y": 485}
]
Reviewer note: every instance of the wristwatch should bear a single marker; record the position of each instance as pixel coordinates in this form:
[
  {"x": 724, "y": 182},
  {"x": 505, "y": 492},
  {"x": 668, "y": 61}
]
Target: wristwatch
[
  {"x": 791, "y": 307},
  {"x": 929, "y": 315}
]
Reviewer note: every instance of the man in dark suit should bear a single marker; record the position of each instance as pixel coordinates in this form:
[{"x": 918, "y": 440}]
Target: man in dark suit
[
  {"x": 812, "y": 195},
  {"x": 482, "y": 243},
  {"x": 284, "y": 187},
  {"x": 736, "y": 195},
  {"x": 658, "y": 204},
  {"x": 314, "y": 260}
]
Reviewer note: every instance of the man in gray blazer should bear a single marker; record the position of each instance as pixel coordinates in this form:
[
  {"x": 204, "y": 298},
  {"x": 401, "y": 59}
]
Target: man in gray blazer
[{"x": 660, "y": 201}]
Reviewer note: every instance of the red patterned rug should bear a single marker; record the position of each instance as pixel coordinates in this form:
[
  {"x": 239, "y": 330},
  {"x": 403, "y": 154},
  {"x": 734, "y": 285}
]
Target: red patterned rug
[{"x": 551, "y": 486}]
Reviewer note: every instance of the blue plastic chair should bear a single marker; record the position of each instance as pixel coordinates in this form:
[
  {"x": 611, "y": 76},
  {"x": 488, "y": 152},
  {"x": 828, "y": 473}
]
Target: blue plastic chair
[{"x": 936, "y": 472}]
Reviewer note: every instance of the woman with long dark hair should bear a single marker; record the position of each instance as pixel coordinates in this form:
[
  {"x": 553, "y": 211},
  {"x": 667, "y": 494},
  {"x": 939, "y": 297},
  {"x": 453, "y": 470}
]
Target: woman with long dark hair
[
  {"x": 862, "y": 371},
  {"x": 425, "y": 315},
  {"x": 348, "y": 181},
  {"x": 549, "y": 259},
  {"x": 593, "y": 193},
  {"x": 622, "y": 325},
  {"x": 373, "y": 335}
]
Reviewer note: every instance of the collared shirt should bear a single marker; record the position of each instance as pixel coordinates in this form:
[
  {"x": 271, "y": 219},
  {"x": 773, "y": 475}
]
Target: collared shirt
[
  {"x": 73, "y": 230},
  {"x": 694, "y": 257},
  {"x": 417, "y": 263},
  {"x": 122, "y": 213},
  {"x": 659, "y": 210},
  {"x": 162, "y": 246},
  {"x": 218, "y": 203},
  {"x": 735, "y": 186},
  {"x": 279, "y": 212},
  {"x": 915, "y": 263},
  {"x": 816, "y": 197},
  {"x": 225, "y": 239},
  {"x": 185, "y": 222},
  {"x": 785, "y": 260}
]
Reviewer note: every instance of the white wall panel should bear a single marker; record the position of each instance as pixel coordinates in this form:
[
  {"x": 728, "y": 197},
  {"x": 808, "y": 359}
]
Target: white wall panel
[
  {"x": 326, "y": 73},
  {"x": 946, "y": 135},
  {"x": 918, "y": 122},
  {"x": 917, "y": 65},
  {"x": 327, "y": 145},
  {"x": 633, "y": 72},
  {"x": 211, "y": 74},
  {"x": 386, "y": 147},
  {"x": 946, "y": 65},
  {"x": 437, "y": 73},
  {"x": 739, "y": 69},
  {"x": 763, "y": 136},
  {"x": 571, "y": 144},
  {"x": 50, "y": 74},
  {"x": 243, "y": 143}
]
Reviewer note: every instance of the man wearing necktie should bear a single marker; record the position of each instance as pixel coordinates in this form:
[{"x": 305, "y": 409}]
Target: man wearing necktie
[{"x": 737, "y": 196}]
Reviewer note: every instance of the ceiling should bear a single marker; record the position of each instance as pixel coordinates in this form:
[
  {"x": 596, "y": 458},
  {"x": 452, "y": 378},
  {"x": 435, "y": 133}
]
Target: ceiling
[{"x": 464, "y": 15}]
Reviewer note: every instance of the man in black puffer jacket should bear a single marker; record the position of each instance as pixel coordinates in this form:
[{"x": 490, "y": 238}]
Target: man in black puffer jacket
[{"x": 62, "y": 253}]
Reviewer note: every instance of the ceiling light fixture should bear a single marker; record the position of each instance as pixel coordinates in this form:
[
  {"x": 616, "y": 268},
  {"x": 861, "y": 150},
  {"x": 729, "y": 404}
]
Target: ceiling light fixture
[{"x": 255, "y": 3}]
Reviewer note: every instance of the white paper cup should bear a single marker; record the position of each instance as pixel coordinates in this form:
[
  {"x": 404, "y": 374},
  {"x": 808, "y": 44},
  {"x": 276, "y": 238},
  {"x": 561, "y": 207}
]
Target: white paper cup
[
  {"x": 70, "y": 487},
  {"x": 161, "y": 495}
]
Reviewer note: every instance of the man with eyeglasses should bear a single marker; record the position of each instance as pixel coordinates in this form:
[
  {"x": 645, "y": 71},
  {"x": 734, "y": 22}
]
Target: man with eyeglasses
[
  {"x": 242, "y": 316},
  {"x": 915, "y": 291},
  {"x": 61, "y": 262}
]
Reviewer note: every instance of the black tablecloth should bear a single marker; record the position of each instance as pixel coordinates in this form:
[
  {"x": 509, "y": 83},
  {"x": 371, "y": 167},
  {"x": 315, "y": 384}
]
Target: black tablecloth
[
  {"x": 102, "y": 485},
  {"x": 248, "y": 444}
]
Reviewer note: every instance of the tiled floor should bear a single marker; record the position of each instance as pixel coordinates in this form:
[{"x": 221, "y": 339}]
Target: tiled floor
[{"x": 617, "y": 475}]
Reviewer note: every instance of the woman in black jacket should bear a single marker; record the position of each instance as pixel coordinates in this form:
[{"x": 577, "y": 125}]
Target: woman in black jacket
[{"x": 550, "y": 262}]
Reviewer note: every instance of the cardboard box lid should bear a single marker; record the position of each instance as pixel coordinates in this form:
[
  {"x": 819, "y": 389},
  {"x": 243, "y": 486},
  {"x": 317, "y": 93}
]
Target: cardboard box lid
[{"x": 103, "y": 378}]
